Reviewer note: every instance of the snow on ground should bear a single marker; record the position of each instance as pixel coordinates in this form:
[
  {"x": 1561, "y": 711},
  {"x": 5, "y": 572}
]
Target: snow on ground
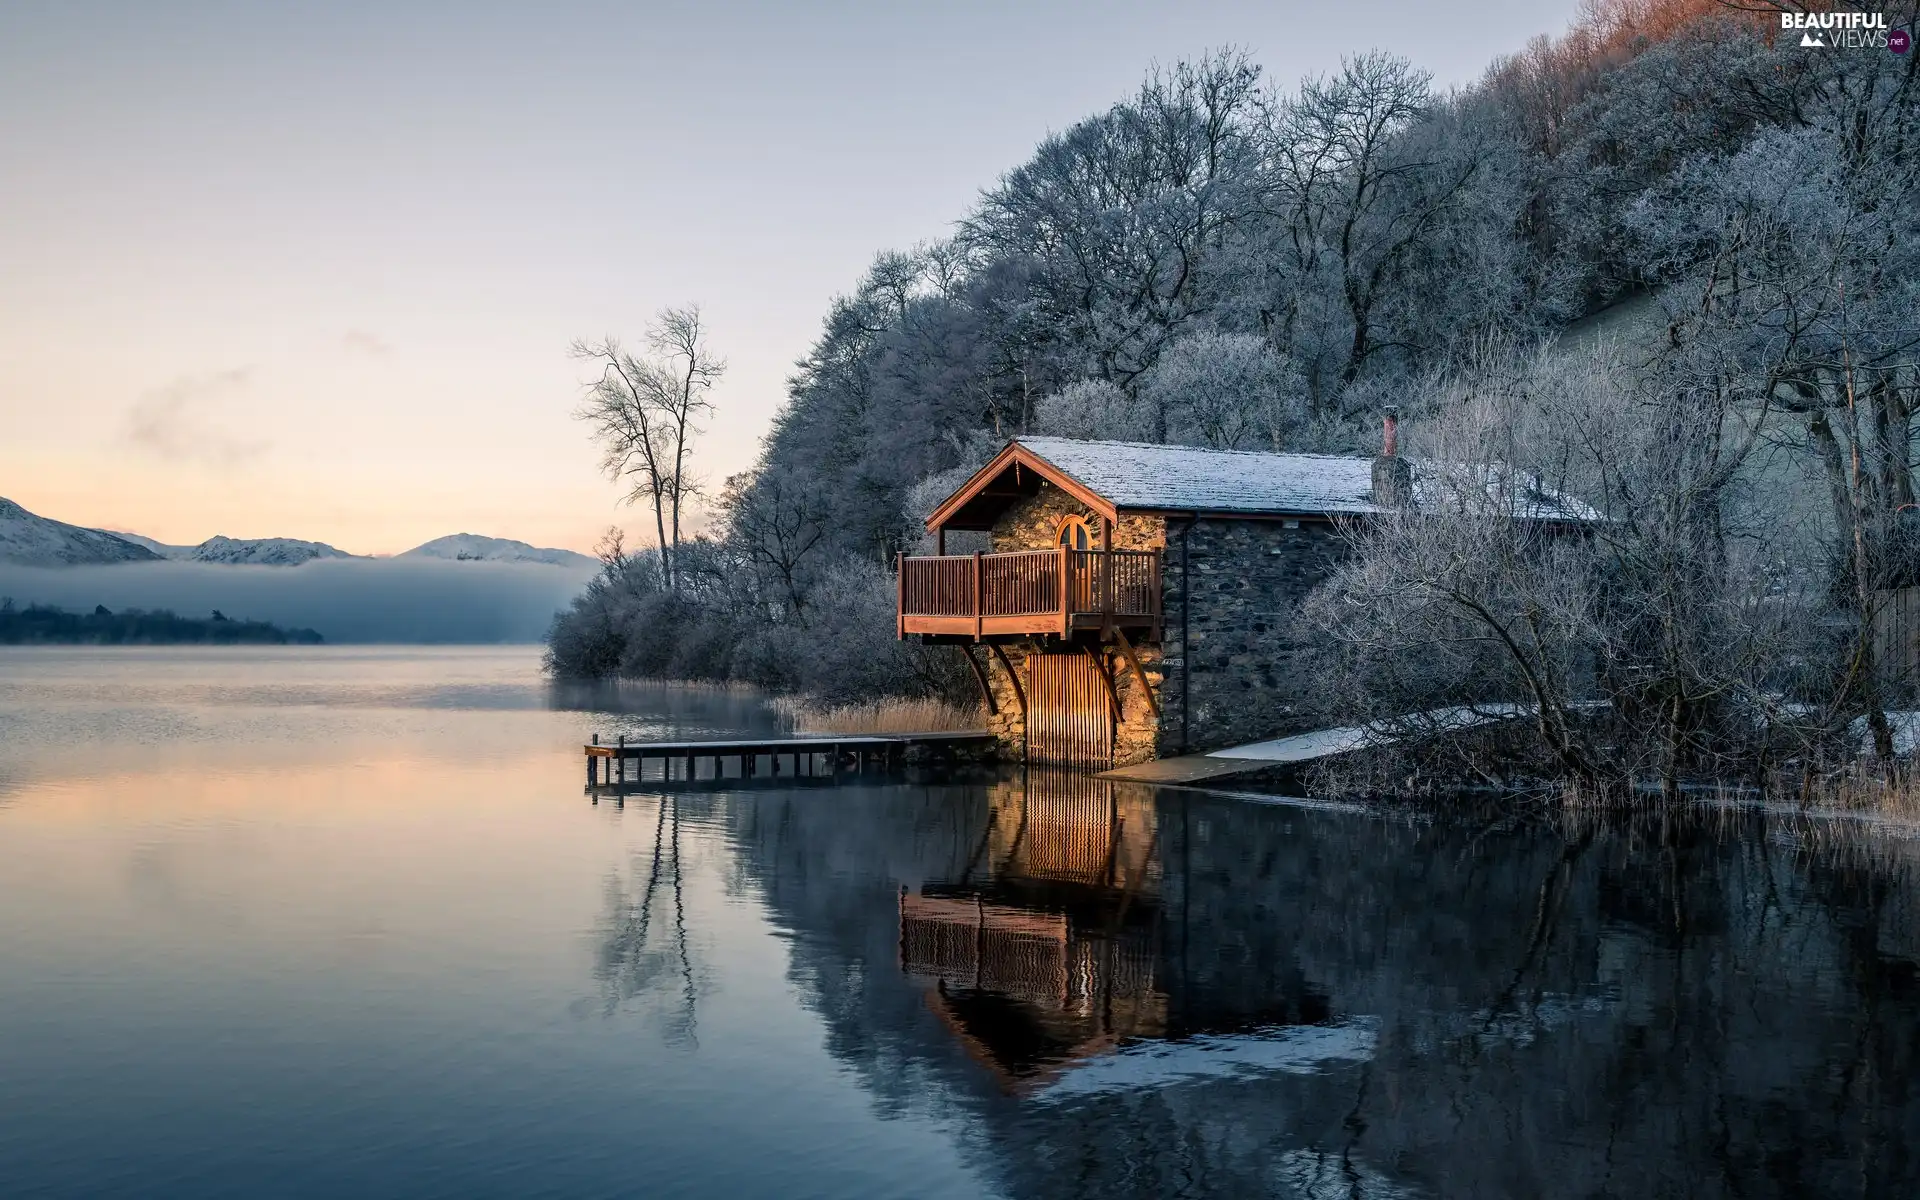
[{"x": 1322, "y": 742}]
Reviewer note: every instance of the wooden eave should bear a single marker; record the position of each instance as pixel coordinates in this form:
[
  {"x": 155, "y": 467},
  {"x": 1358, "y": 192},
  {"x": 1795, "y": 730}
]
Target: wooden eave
[{"x": 989, "y": 486}]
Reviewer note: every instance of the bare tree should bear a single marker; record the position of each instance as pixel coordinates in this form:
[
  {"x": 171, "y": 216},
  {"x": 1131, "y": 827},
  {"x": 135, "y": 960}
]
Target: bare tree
[
  {"x": 1357, "y": 192},
  {"x": 1661, "y": 617},
  {"x": 1115, "y": 219},
  {"x": 645, "y": 416}
]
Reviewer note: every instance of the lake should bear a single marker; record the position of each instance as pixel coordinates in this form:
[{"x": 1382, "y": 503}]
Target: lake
[{"x": 344, "y": 922}]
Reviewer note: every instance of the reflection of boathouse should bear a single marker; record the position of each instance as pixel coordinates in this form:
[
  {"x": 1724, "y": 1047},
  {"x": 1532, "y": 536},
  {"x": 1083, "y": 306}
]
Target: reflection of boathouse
[
  {"x": 1054, "y": 945},
  {"x": 1044, "y": 950}
]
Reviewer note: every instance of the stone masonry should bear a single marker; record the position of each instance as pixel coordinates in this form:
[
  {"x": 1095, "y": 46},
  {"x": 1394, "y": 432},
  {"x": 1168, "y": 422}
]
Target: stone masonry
[
  {"x": 1234, "y": 649},
  {"x": 1228, "y": 668}
]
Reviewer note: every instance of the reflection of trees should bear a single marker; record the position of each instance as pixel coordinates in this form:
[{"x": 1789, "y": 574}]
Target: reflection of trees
[
  {"x": 653, "y": 709},
  {"x": 1727, "y": 1007},
  {"x": 644, "y": 951}
]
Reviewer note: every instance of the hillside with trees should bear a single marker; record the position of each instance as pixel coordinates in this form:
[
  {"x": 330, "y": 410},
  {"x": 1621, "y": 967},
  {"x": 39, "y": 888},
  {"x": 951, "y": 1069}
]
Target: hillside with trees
[
  {"x": 48, "y": 624},
  {"x": 1664, "y": 261}
]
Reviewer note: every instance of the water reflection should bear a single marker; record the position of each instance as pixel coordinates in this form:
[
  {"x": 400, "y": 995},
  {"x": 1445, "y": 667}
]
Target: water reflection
[
  {"x": 697, "y": 710},
  {"x": 1044, "y": 949},
  {"x": 645, "y": 951},
  {"x": 1132, "y": 994}
]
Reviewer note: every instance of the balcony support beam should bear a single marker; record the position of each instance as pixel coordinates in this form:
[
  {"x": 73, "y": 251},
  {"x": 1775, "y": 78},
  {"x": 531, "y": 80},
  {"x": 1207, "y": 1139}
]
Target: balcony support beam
[
  {"x": 1013, "y": 677},
  {"x": 1139, "y": 673},
  {"x": 980, "y": 677},
  {"x": 1099, "y": 660}
]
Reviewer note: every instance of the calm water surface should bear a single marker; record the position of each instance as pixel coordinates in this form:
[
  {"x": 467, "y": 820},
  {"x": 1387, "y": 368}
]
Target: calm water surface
[{"x": 344, "y": 923}]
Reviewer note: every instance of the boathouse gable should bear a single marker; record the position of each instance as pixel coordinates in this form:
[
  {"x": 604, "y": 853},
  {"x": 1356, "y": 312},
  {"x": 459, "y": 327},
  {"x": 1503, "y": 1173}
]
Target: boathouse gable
[{"x": 1034, "y": 523}]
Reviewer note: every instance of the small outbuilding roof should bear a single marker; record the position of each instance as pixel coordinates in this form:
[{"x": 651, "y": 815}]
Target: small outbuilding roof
[{"x": 1110, "y": 477}]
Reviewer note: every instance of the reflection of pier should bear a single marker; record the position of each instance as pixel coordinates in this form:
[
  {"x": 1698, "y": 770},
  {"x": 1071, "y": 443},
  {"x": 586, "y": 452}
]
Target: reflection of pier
[{"x": 1044, "y": 950}]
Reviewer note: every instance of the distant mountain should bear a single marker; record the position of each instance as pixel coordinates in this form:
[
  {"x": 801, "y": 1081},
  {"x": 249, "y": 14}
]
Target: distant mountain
[
  {"x": 37, "y": 541},
  {"x": 259, "y": 552},
  {"x": 160, "y": 548},
  {"x": 42, "y": 542},
  {"x": 471, "y": 547},
  {"x": 264, "y": 552}
]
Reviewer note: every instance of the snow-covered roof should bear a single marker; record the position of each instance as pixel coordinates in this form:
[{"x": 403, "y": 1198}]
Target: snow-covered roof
[
  {"x": 1191, "y": 479},
  {"x": 1141, "y": 475},
  {"x": 1144, "y": 477}
]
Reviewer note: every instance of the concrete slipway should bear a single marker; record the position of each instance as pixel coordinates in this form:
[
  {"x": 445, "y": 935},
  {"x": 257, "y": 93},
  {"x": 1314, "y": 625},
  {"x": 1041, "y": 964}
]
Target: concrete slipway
[{"x": 1303, "y": 747}]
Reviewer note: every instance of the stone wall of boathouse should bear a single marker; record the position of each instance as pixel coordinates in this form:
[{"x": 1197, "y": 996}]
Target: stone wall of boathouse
[
  {"x": 1034, "y": 524},
  {"x": 1234, "y": 650}
]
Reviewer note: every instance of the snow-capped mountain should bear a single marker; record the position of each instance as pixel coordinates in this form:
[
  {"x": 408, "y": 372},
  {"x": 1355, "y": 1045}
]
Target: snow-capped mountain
[
  {"x": 37, "y": 541},
  {"x": 264, "y": 552},
  {"x": 160, "y": 548},
  {"x": 43, "y": 542},
  {"x": 471, "y": 547},
  {"x": 260, "y": 552}
]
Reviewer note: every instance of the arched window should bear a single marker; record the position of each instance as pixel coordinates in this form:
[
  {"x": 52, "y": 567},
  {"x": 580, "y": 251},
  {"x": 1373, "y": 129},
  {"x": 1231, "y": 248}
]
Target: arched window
[{"x": 1075, "y": 535}]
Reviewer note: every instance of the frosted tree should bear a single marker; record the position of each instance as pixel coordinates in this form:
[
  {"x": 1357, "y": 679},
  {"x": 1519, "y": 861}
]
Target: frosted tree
[
  {"x": 1357, "y": 196},
  {"x": 1096, "y": 409},
  {"x": 1225, "y": 390},
  {"x": 1665, "y": 607},
  {"x": 1115, "y": 220},
  {"x": 645, "y": 413}
]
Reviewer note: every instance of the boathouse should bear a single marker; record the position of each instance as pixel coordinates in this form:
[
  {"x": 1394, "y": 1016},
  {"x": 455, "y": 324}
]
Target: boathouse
[{"x": 1136, "y": 601}]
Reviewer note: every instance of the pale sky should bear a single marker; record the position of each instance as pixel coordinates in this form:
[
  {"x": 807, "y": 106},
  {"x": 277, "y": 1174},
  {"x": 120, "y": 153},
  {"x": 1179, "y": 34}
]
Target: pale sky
[{"x": 311, "y": 271}]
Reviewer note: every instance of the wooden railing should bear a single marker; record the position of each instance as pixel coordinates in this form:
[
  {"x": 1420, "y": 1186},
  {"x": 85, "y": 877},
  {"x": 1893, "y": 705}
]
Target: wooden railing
[{"x": 1028, "y": 591}]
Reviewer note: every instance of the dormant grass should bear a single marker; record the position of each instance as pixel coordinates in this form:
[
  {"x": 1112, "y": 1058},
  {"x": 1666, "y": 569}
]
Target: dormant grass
[{"x": 883, "y": 716}]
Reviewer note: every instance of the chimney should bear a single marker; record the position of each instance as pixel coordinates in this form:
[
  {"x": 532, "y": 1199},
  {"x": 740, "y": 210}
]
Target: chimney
[{"x": 1392, "y": 477}]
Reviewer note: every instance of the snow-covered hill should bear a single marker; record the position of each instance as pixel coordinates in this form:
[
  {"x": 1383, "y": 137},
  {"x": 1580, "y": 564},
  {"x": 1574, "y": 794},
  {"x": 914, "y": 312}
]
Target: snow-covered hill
[
  {"x": 160, "y": 548},
  {"x": 471, "y": 547},
  {"x": 37, "y": 541},
  {"x": 265, "y": 552}
]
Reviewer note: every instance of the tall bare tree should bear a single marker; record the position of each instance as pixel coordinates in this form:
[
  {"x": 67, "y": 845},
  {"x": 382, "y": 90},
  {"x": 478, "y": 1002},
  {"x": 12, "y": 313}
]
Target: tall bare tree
[{"x": 645, "y": 414}]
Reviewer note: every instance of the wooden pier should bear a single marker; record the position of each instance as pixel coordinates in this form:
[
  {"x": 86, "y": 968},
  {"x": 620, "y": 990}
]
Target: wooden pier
[{"x": 824, "y": 756}]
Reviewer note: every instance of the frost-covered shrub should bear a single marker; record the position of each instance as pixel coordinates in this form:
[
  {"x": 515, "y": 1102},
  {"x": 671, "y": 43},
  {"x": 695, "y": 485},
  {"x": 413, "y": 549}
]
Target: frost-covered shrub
[
  {"x": 1229, "y": 391},
  {"x": 1094, "y": 409}
]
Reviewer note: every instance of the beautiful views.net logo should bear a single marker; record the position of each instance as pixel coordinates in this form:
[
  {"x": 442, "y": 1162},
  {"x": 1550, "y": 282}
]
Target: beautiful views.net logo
[{"x": 1846, "y": 31}]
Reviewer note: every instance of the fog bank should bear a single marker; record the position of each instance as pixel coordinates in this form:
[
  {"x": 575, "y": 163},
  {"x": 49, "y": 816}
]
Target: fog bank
[{"x": 383, "y": 600}]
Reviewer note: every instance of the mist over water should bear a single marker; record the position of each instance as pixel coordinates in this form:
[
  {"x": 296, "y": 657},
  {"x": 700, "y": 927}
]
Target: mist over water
[{"x": 378, "y": 600}]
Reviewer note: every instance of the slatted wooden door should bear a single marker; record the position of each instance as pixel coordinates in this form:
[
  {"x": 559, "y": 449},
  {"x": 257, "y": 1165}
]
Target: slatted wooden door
[{"x": 1069, "y": 718}]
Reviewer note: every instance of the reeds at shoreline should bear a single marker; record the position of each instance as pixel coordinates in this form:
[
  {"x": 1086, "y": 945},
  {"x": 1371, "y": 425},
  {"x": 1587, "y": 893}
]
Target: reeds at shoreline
[
  {"x": 881, "y": 716},
  {"x": 1859, "y": 788}
]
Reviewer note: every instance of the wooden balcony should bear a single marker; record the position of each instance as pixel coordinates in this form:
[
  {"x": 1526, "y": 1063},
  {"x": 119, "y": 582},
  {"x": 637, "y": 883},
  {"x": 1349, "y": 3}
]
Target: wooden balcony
[{"x": 1030, "y": 591}]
